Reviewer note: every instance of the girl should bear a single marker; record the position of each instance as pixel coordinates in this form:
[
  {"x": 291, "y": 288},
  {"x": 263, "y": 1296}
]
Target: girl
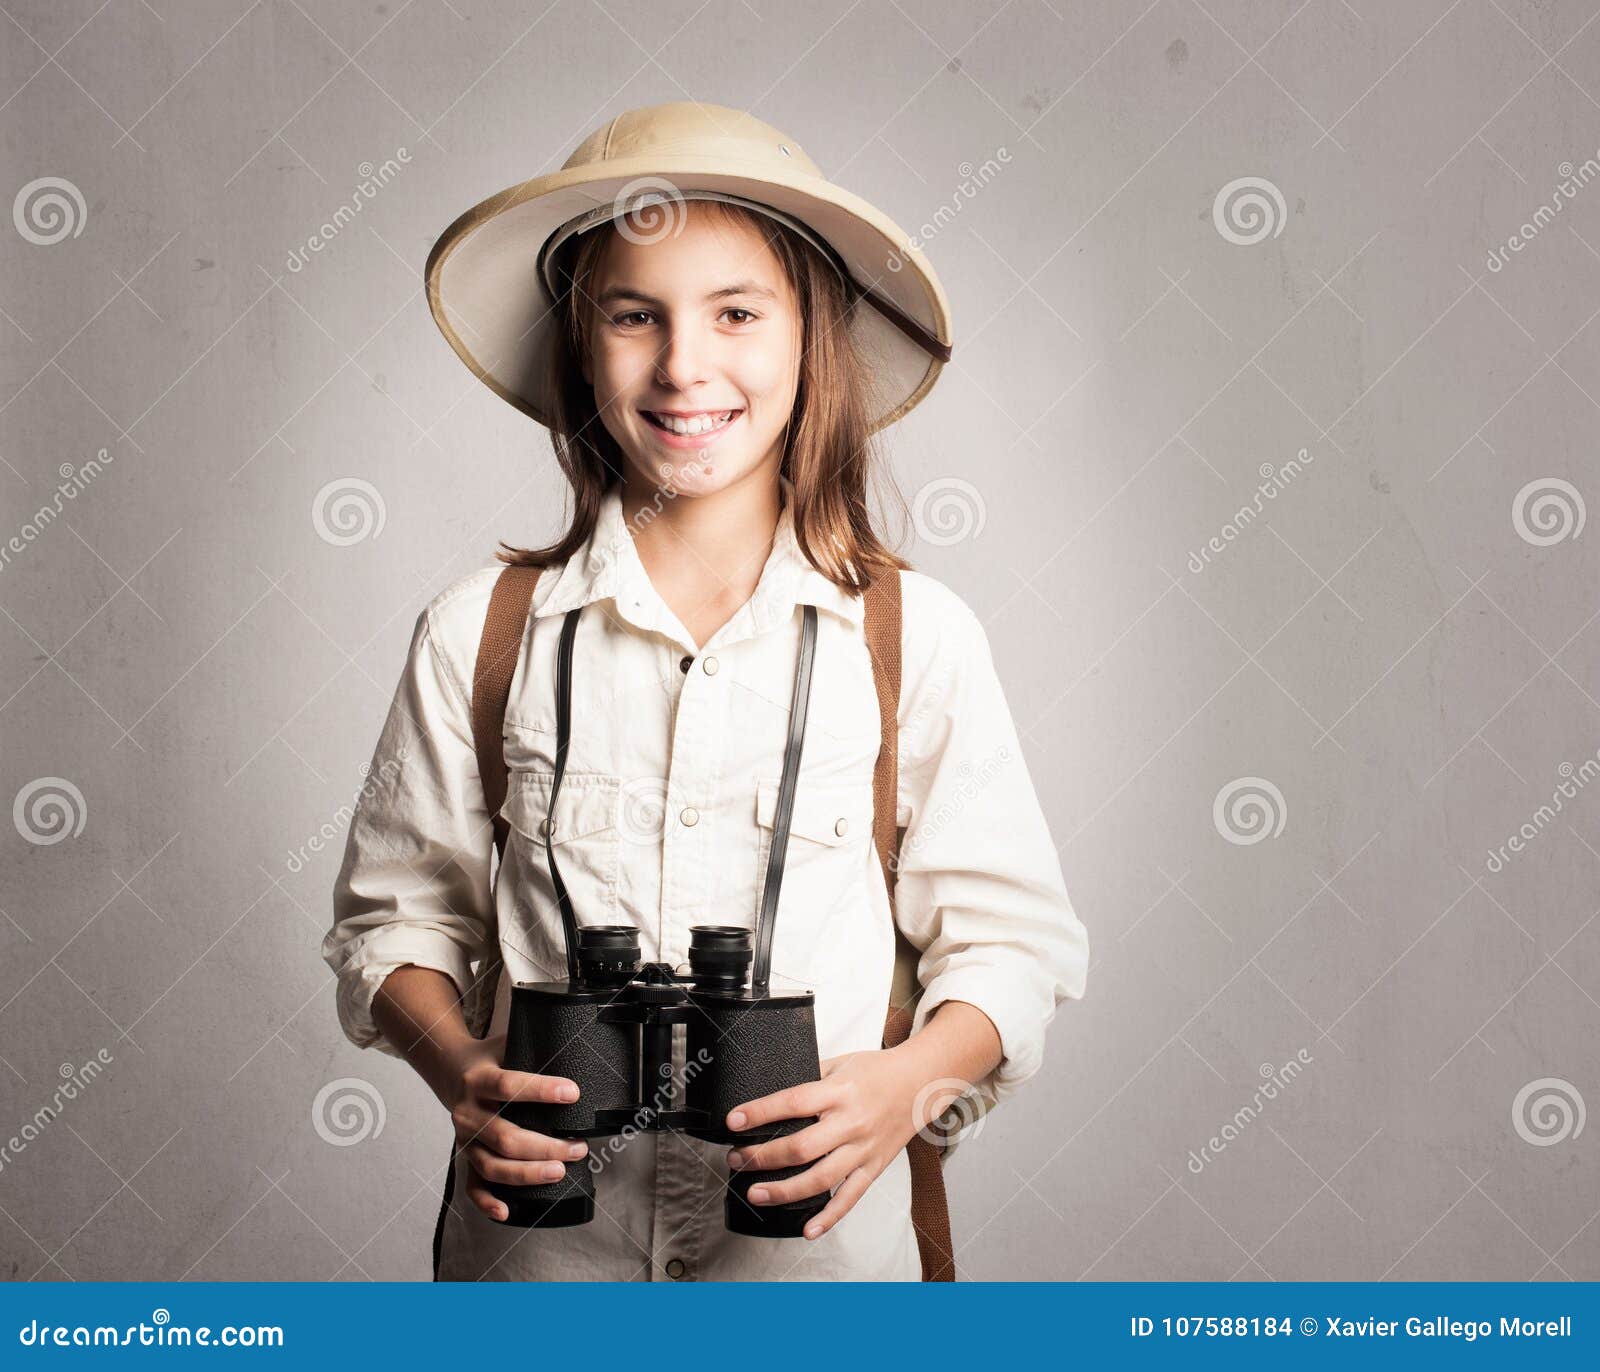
[{"x": 713, "y": 333}]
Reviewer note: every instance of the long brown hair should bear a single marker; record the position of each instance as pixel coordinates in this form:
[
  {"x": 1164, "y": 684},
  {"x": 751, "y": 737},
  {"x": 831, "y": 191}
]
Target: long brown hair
[{"x": 829, "y": 449}]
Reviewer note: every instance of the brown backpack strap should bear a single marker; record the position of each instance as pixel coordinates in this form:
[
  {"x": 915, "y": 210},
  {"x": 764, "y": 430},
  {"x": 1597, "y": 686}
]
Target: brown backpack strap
[
  {"x": 499, "y": 646},
  {"x": 498, "y": 649},
  {"x": 882, "y": 628},
  {"x": 930, "y": 1207},
  {"x": 930, "y": 1210}
]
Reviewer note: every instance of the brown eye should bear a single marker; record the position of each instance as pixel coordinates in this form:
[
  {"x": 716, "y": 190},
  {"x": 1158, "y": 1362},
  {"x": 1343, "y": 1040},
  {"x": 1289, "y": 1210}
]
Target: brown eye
[{"x": 736, "y": 309}]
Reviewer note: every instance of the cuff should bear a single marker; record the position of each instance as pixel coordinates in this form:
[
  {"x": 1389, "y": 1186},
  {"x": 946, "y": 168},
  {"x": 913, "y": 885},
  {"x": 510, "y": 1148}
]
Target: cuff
[
  {"x": 395, "y": 945},
  {"x": 995, "y": 992}
]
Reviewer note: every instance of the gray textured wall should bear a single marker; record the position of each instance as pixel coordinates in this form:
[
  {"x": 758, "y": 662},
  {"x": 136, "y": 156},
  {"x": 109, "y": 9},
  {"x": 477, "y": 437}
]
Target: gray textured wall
[{"x": 1281, "y": 766}]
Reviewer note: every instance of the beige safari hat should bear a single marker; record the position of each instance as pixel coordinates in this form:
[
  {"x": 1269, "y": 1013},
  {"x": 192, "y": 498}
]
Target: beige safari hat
[{"x": 495, "y": 274}]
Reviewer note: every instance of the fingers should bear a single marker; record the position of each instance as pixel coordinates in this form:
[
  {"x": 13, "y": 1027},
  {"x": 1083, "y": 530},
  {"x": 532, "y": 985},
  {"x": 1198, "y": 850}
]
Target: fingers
[
  {"x": 500, "y": 1136},
  {"x": 484, "y": 1167},
  {"x": 477, "y": 1114},
  {"x": 506, "y": 1083},
  {"x": 804, "y": 1145},
  {"x": 794, "y": 1103},
  {"x": 478, "y": 1194},
  {"x": 814, "y": 1181},
  {"x": 851, "y": 1189},
  {"x": 479, "y": 1126},
  {"x": 492, "y": 1166}
]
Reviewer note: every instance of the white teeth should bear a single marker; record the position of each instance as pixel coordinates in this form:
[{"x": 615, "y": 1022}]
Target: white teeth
[{"x": 700, "y": 424}]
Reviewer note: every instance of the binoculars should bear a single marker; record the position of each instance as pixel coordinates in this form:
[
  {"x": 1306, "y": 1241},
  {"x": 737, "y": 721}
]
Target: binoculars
[
  {"x": 610, "y": 1025},
  {"x": 610, "y": 1029}
]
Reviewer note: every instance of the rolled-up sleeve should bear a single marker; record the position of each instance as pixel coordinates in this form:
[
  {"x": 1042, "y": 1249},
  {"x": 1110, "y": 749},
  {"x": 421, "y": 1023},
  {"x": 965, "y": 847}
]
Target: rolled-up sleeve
[
  {"x": 979, "y": 886},
  {"x": 414, "y": 884}
]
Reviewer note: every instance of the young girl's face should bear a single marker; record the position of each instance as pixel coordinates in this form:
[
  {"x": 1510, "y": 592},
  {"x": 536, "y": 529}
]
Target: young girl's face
[{"x": 699, "y": 321}]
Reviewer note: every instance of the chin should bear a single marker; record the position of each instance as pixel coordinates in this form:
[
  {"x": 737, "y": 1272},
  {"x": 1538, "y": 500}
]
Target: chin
[{"x": 694, "y": 474}]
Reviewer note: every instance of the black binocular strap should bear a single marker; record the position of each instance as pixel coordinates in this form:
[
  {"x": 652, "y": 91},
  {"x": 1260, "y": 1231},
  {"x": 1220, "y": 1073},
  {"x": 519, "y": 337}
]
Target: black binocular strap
[
  {"x": 799, "y": 701},
  {"x": 569, "y": 923}
]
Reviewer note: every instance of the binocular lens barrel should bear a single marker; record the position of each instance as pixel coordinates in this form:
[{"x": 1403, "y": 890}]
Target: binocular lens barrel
[
  {"x": 551, "y": 1204},
  {"x": 719, "y": 956},
  {"x": 608, "y": 954}
]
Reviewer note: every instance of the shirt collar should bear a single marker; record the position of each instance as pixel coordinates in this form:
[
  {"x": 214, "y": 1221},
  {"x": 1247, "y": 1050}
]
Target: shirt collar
[{"x": 608, "y": 567}]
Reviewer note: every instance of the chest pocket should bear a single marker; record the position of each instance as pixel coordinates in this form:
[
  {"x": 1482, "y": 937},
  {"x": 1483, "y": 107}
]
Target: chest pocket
[
  {"x": 585, "y": 840},
  {"x": 830, "y": 829}
]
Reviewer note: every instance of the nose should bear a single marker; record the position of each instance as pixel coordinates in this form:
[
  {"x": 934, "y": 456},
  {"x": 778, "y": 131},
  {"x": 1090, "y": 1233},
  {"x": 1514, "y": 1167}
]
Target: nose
[{"x": 680, "y": 365}]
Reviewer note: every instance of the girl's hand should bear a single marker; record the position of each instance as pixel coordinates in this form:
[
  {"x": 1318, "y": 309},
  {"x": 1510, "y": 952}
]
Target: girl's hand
[
  {"x": 496, "y": 1149},
  {"x": 868, "y": 1105}
]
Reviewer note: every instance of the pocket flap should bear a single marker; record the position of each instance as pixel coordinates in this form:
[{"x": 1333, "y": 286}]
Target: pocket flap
[
  {"x": 585, "y": 805},
  {"x": 830, "y": 812}
]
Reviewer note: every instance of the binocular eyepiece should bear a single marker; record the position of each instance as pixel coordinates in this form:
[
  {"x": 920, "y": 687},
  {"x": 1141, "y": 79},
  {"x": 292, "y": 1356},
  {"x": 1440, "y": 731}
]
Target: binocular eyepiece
[
  {"x": 608, "y": 954},
  {"x": 719, "y": 955},
  {"x": 611, "y": 1029}
]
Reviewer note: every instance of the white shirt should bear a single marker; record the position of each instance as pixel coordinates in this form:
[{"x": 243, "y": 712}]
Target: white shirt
[{"x": 664, "y": 821}]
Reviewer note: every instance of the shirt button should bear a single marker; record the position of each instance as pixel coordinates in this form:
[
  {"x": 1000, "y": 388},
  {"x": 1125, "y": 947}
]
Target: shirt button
[
  {"x": 841, "y": 826},
  {"x": 685, "y": 663},
  {"x": 689, "y": 815},
  {"x": 545, "y": 828},
  {"x": 675, "y": 1268},
  {"x": 710, "y": 665}
]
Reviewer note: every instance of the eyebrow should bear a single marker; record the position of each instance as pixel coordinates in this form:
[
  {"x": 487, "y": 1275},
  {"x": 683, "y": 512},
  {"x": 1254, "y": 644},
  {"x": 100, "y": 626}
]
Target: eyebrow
[{"x": 752, "y": 288}]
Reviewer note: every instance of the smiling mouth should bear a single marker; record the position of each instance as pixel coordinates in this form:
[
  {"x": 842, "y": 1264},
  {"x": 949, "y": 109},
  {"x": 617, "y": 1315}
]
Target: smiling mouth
[{"x": 700, "y": 424}]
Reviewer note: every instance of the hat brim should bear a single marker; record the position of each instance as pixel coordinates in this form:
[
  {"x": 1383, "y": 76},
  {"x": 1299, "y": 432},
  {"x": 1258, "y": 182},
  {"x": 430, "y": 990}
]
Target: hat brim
[{"x": 488, "y": 300}]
